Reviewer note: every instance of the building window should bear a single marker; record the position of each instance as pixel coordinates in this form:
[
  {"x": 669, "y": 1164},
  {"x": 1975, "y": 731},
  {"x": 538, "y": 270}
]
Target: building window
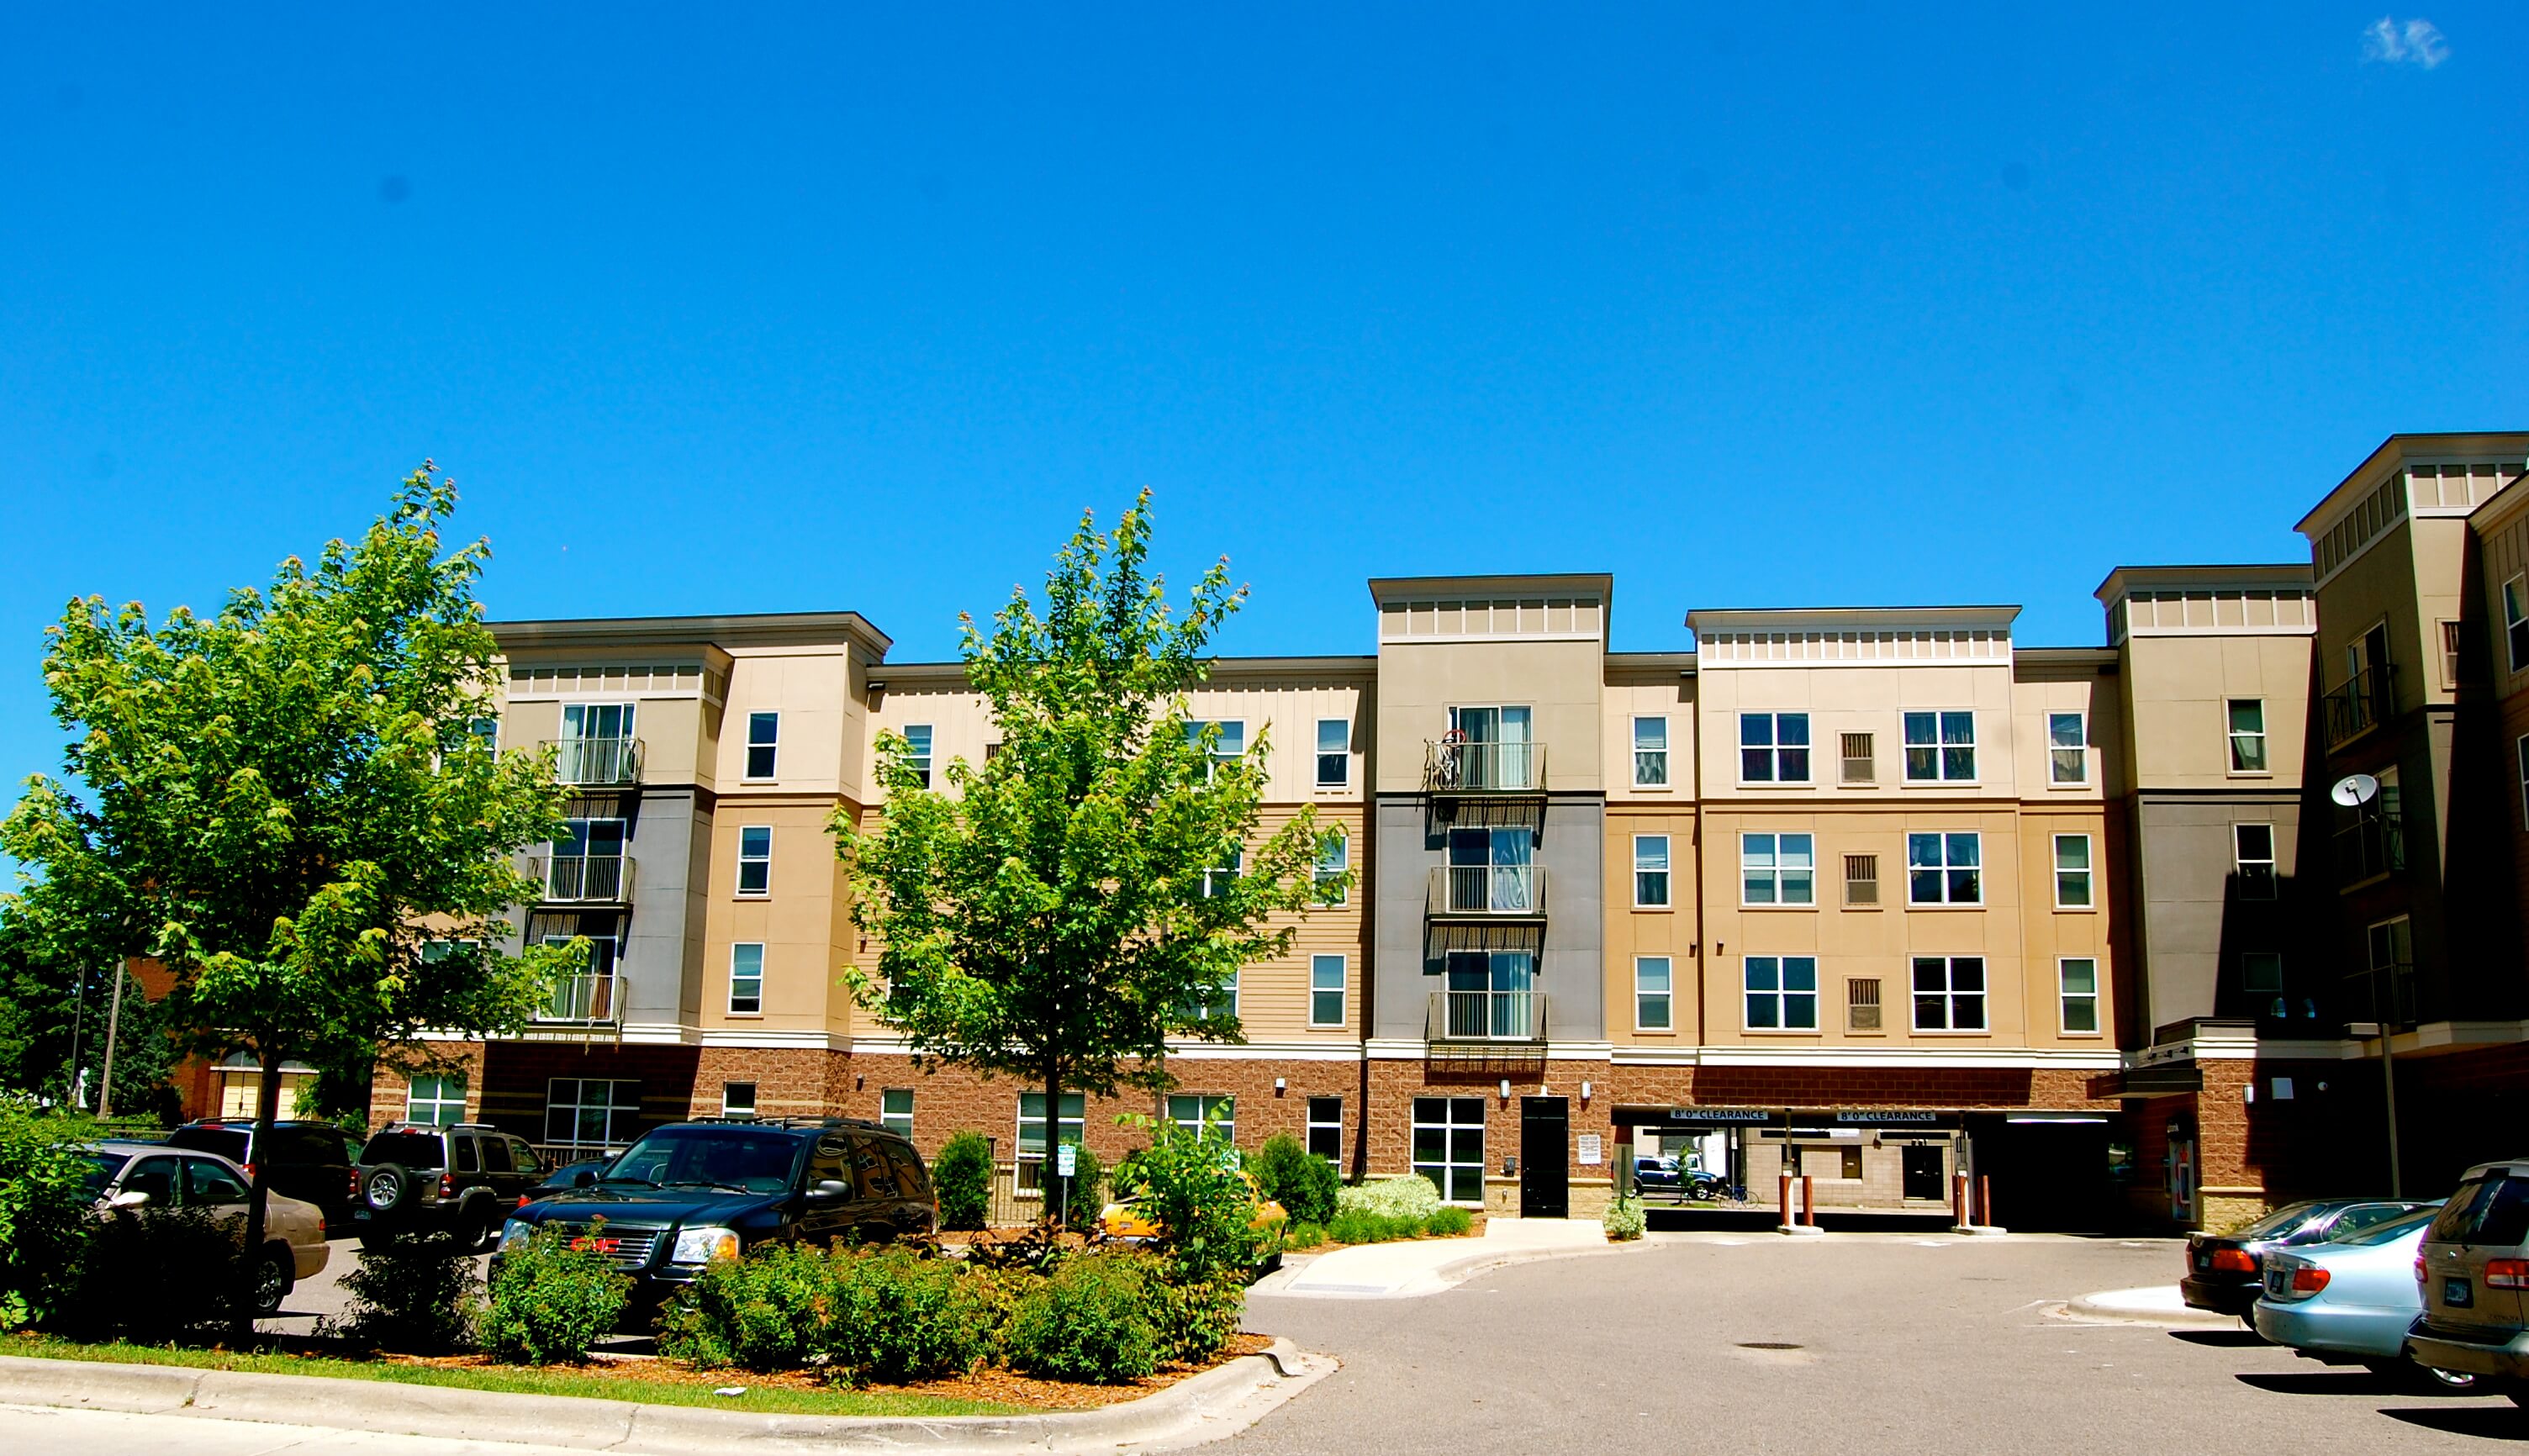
[
  {"x": 1949, "y": 992},
  {"x": 591, "y": 1113},
  {"x": 1449, "y": 1146},
  {"x": 895, "y": 1110},
  {"x": 755, "y": 859},
  {"x": 1774, "y": 748},
  {"x": 2247, "y": 735},
  {"x": 1650, "y": 753},
  {"x": 1217, "y": 880},
  {"x": 917, "y": 751},
  {"x": 2068, "y": 754},
  {"x": 1939, "y": 748},
  {"x": 1860, "y": 762},
  {"x": 1221, "y": 1003},
  {"x": 738, "y": 1099},
  {"x": 1334, "y": 752},
  {"x": 1030, "y": 1178},
  {"x": 1945, "y": 869},
  {"x": 1782, "y": 993},
  {"x": 1862, "y": 880},
  {"x": 1861, "y": 1004},
  {"x": 587, "y": 861},
  {"x": 1652, "y": 1010},
  {"x": 2392, "y": 972},
  {"x": 486, "y": 731},
  {"x": 1777, "y": 870},
  {"x": 1228, "y": 748},
  {"x": 2080, "y": 977},
  {"x": 437, "y": 1098},
  {"x": 2516, "y": 622},
  {"x": 2454, "y": 637},
  {"x": 2254, "y": 849},
  {"x": 1325, "y": 1128},
  {"x": 2261, "y": 976},
  {"x": 1334, "y": 856},
  {"x": 763, "y": 743},
  {"x": 1651, "y": 872},
  {"x": 1205, "y": 1115},
  {"x": 596, "y": 744},
  {"x": 1327, "y": 990},
  {"x": 2520, "y": 751},
  {"x": 746, "y": 979},
  {"x": 2072, "y": 871}
]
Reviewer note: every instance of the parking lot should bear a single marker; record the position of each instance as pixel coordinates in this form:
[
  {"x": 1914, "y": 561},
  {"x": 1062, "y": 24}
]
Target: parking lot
[{"x": 1758, "y": 1344}]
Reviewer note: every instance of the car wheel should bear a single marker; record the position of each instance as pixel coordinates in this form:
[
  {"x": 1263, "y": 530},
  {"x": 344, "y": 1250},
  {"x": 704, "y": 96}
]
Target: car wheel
[
  {"x": 387, "y": 1187},
  {"x": 481, "y": 1225},
  {"x": 273, "y": 1278}
]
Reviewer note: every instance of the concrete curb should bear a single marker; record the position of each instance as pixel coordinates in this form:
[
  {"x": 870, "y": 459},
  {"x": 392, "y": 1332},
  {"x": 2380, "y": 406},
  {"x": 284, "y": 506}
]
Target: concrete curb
[
  {"x": 2123, "y": 1307},
  {"x": 1201, "y": 1408}
]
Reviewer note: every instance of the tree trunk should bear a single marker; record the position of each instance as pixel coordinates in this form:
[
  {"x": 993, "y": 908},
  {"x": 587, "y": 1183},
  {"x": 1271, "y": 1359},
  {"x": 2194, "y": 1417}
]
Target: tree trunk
[
  {"x": 1053, "y": 1136},
  {"x": 267, "y": 1110}
]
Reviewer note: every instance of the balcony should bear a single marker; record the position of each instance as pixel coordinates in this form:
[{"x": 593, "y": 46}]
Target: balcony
[
  {"x": 2363, "y": 703},
  {"x": 1486, "y": 1018},
  {"x": 584, "y": 879},
  {"x": 583, "y": 1000},
  {"x": 2372, "y": 845},
  {"x": 1468, "y": 768},
  {"x": 1487, "y": 893},
  {"x": 595, "y": 763}
]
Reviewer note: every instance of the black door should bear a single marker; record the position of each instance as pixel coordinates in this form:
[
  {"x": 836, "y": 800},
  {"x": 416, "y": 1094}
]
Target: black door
[
  {"x": 1920, "y": 1172},
  {"x": 1544, "y": 1158}
]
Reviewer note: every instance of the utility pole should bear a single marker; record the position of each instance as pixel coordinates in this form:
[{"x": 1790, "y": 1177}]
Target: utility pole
[
  {"x": 78, "y": 1017},
  {"x": 2388, "y": 1077},
  {"x": 113, "y": 1018}
]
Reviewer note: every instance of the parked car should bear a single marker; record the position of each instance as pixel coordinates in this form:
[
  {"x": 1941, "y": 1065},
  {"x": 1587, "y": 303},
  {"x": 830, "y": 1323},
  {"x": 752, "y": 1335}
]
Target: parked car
[
  {"x": 566, "y": 1179},
  {"x": 1125, "y": 1221},
  {"x": 2473, "y": 1267},
  {"x": 146, "y": 1179},
  {"x": 416, "y": 1178},
  {"x": 690, "y": 1193},
  {"x": 2225, "y": 1272},
  {"x": 2351, "y": 1300},
  {"x": 310, "y": 1162}
]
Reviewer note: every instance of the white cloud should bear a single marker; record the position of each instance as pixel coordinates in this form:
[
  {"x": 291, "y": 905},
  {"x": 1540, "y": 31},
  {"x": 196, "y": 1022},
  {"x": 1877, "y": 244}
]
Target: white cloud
[{"x": 2416, "y": 42}]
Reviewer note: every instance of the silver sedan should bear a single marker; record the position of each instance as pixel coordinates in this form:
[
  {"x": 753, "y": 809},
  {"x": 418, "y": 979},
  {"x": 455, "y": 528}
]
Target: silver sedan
[{"x": 2351, "y": 1302}]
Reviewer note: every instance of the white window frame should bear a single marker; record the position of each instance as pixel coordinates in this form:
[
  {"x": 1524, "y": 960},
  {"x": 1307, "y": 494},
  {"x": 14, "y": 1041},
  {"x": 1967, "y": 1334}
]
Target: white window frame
[
  {"x": 1773, "y": 748},
  {"x": 889, "y": 1116},
  {"x": 1651, "y": 756},
  {"x": 2516, "y": 622},
  {"x": 917, "y": 751},
  {"x": 2520, "y": 751},
  {"x": 1454, "y": 1116},
  {"x": 2066, "y": 995},
  {"x": 1225, "y": 1008},
  {"x": 1950, "y": 994},
  {"x": 1665, "y": 869},
  {"x": 1945, "y": 868},
  {"x": 737, "y": 955},
  {"x": 1222, "y": 752},
  {"x": 770, "y": 745},
  {"x": 1645, "y": 996},
  {"x": 1340, "y": 755},
  {"x": 1940, "y": 746},
  {"x": 763, "y": 891},
  {"x": 1781, "y": 993},
  {"x": 1780, "y": 877},
  {"x": 439, "y": 1101},
  {"x": 2087, "y": 871},
  {"x": 1027, "y": 1180},
  {"x": 1194, "y": 1118},
  {"x": 1331, "y": 866},
  {"x": 2079, "y": 748},
  {"x": 2233, "y": 739},
  {"x": 1217, "y": 879},
  {"x": 2241, "y": 861},
  {"x": 731, "y": 1106},
  {"x": 1317, "y": 1124},
  {"x": 1317, "y": 968}
]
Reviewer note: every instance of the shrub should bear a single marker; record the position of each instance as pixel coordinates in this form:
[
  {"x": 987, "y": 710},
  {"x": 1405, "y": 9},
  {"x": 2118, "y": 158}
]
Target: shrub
[
  {"x": 1304, "y": 1236},
  {"x": 1090, "y": 1322},
  {"x": 1449, "y": 1223},
  {"x": 757, "y": 1313},
  {"x": 1189, "y": 1186},
  {"x": 550, "y": 1302},
  {"x": 44, "y": 1202},
  {"x": 416, "y": 1297},
  {"x": 899, "y": 1317},
  {"x": 882, "y": 1315},
  {"x": 962, "y": 1177},
  {"x": 1412, "y": 1196},
  {"x": 1291, "y": 1175},
  {"x": 1194, "y": 1322},
  {"x": 1361, "y": 1226},
  {"x": 153, "y": 1277},
  {"x": 1623, "y": 1220}
]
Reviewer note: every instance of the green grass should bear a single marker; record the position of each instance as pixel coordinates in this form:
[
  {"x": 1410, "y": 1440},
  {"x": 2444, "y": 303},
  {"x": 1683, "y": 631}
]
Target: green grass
[{"x": 517, "y": 1380}]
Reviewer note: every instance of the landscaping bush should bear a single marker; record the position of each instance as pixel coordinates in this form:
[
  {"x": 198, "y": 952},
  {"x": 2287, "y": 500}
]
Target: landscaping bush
[
  {"x": 962, "y": 1177},
  {"x": 1093, "y": 1321},
  {"x": 1303, "y": 1236},
  {"x": 414, "y": 1295},
  {"x": 1360, "y": 1226},
  {"x": 1412, "y": 1196},
  {"x": 1623, "y": 1220},
  {"x": 1449, "y": 1223},
  {"x": 44, "y": 1209},
  {"x": 550, "y": 1302},
  {"x": 882, "y": 1315},
  {"x": 1189, "y": 1186},
  {"x": 1194, "y": 1322},
  {"x": 1291, "y": 1175},
  {"x": 166, "y": 1276},
  {"x": 757, "y": 1313}
]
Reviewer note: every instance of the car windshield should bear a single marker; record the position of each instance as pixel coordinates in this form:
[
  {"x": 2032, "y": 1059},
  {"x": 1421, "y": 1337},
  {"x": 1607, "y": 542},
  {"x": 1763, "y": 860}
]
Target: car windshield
[
  {"x": 411, "y": 1149},
  {"x": 711, "y": 1158},
  {"x": 2281, "y": 1220},
  {"x": 2390, "y": 1231},
  {"x": 228, "y": 1141},
  {"x": 2491, "y": 1209},
  {"x": 101, "y": 1169}
]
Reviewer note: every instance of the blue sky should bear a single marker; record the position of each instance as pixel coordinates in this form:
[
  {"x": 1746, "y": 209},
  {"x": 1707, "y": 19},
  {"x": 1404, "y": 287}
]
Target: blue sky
[{"x": 747, "y": 308}]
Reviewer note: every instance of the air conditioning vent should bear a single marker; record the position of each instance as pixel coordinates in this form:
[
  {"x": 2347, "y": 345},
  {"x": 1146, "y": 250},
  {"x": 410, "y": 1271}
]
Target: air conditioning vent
[
  {"x": 1861, "y": 1004},
  {"x": 1859, "y": 764},
  {"x": 1862, "y": 880}
]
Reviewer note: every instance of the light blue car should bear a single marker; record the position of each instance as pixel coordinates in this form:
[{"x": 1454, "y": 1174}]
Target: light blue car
[{"x": 2351, "y": 1302}]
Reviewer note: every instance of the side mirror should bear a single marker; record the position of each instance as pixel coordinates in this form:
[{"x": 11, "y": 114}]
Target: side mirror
[
  {"x": 828, "y": 1190},
  {"x": 585, "y": 1178},
  {"x": 131, "y": 1199}
]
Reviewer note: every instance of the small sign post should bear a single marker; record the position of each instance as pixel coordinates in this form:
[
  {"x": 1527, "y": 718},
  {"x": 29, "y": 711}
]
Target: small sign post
[{"x": 1066, "y": 1158}]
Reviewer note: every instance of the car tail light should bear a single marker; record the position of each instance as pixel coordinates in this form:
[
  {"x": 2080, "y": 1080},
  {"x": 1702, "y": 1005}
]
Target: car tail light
[
  {"x": 2419, "y": 1268},
  {"x": 2506, "y": 1273},
  {"x": 2309, "y": 1278},
  {"x": 2234, "y": 1260},
  {"x": 446, "y": 1186}
]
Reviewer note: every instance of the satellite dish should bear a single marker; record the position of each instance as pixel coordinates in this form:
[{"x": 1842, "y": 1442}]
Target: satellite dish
[{"x": 2355, "y": 790}]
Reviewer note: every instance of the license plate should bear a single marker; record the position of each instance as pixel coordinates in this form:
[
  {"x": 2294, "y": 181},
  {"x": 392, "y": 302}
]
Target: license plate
[
  {"x": 2203, "y": 1261},
  {"x": 2458, "y": 1294}
]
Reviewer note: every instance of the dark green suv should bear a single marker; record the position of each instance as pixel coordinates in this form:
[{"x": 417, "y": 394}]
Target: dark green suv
[{"x": 416, "y": 1178}]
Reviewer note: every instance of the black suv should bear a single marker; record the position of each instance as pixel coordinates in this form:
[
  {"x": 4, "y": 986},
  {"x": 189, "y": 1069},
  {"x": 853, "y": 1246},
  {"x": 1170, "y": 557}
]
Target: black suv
[
  {"x": 310, "y": 1162},
  {"x": 692, "y": 1192},
  {"x": 416, "y": 1178}
]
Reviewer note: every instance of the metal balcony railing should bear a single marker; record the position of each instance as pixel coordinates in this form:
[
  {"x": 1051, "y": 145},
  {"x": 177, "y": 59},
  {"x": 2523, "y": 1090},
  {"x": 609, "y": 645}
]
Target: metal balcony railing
[
  {"x": 2361, "y": 704},
  {"x": 578, "y": 879},
  {"x": 584, "y": 1000},
  {"x": 1486, "y": 1016},
  {"x": 1464, "y": 766},
  {"x": 2372, "y": 844},
  {"x": 597, "y": 760},
  {"x": 1488, "y": 891},
  {"x": 2388, "y": 992}
]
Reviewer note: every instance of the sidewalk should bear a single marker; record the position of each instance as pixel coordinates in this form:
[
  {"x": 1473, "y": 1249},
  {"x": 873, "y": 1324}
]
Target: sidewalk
[{"x": 1411, "y": 1267}]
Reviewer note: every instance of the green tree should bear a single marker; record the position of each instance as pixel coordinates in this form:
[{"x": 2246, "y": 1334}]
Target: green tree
[
  {"x": 1092, "y": 889},
  {"x": 283, "y": 804}
]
